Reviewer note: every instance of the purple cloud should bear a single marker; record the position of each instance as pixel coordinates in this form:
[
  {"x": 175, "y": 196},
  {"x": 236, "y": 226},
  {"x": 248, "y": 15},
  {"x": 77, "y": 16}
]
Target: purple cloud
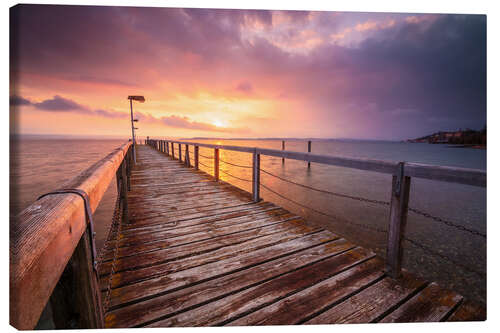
[
  {"x": 245, "y": 87},
  {"x": 111, "y": 114},
  {"x": 60, "y": 104},
  {"x": 15, "y": 100}
]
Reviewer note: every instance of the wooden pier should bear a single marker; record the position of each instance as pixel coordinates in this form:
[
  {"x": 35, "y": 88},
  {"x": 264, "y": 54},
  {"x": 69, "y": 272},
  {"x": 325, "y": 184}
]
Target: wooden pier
[
  {"x": 198, "y": 253},
  {"x": 192, "y": 250}
]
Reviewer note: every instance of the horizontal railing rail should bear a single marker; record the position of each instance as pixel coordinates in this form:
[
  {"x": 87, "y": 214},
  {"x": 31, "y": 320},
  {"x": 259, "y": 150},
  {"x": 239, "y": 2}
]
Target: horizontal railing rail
[
  {"x": 458, "y": 175},
  {"x": 53, "y": 232},
  {"x": 401, "y": 172}
]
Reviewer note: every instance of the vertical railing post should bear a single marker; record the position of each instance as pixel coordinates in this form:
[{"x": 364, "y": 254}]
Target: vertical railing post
[
  {"x": 128, "y": 157},
  {"x": 186, "y": 159},
  {"x": 400, "y": 195},
  {"x": 256, "y": 177},
  {"x": 283, "y": 148},
  {"x": 123, "y": 191},
  {"x": 166, "y": 146},
  {"x": 180, "y": 153},
  {"x": 196, "y": 157},
  {"x": 173, "y": 150},
  {"x": 76, "y": 301},
  {"x": 216, "y": 164},
  {"x": 308, "y": 150}
]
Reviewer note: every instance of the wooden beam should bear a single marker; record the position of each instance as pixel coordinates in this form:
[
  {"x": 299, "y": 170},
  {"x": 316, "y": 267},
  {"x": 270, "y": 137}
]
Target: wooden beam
[
  {"x": 216, "y": 164},
  {"x": 43, "y": 237},
  {"x": 76, "y": 300},
  {"x": 397, "y": 221},
  {"x": 309, "y": 151},
  {"x": 256, "y": 177},
  {"x": 441, "y": 173},
  {"x": 196, "y": 157},
  {"x": 188, "y": 162},
  {"x": 283, "y": 148}
]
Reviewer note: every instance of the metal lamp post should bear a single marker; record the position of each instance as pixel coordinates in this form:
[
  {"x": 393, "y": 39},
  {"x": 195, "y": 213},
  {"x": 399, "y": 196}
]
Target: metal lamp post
[{"x": 132, "y": 120}]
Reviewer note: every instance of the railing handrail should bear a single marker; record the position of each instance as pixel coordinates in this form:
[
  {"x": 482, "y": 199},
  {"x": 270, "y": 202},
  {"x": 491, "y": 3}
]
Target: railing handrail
[
  {"x": 402, "y": 173},
  {"x": 466, "y": 176},
  {"x": 44, "y": 236}
]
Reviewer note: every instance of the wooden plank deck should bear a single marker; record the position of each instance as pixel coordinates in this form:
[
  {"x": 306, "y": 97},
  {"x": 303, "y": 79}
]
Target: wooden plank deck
[{"x": 200, "y": 253}]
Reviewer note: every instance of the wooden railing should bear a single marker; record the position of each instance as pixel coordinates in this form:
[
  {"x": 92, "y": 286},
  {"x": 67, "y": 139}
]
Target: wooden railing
[
  {"x": 401, "y": 172},
  {"x": 51, "y": 250}
]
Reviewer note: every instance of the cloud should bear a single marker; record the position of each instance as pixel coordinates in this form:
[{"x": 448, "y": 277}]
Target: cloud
[
  {"x": 187, "y": 123},
  {"x": 435, "y": 64},
  {"x": 60, "y": 104},
  {"x": 111, "y": 114},
  {"x": 15, "y": 100},
  {"x": 245, "y": 87}
]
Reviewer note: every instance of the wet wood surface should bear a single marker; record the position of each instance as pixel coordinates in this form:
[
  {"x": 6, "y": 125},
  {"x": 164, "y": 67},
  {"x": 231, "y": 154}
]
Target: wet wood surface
[{"x": 197, "y": 252}]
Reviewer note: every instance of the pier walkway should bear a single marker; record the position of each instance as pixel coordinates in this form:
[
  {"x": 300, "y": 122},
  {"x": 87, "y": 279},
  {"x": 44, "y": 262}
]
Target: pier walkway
[{"x": 200, "y": 252}]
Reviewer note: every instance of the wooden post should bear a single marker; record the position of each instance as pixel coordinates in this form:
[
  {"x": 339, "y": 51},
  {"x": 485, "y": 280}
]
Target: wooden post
[
  {"x": 283, "y": 148},
  {"x": 216, "y": 164},
  {"x": 123, "y": 193},
  {"x": 186, "y": 159},
  {"x": 256, "y": 177},
  {"x": 196, "y": 157},
  {"x": 397, "y": 221},
  {"x": 76, "y": 300},
  {"x": 173, "y": 150},
  {"x": 166, "y": 146},
  {"x": 128, "y": 158},
  {"x": 180, "y": 153},
  {"x": 308, "y": 150}
]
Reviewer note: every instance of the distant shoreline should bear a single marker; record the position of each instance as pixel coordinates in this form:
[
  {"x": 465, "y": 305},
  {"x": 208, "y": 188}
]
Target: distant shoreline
[{"x": 468, "y": 146}]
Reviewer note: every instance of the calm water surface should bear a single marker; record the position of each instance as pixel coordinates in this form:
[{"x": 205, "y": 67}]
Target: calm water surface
[{"x": 41, "y": 165}]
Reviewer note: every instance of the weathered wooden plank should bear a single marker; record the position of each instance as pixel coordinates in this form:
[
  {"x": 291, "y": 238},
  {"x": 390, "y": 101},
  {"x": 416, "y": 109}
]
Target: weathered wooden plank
[
  {"x": 306, "y": 303},
  {"x": 155, "y": 242},
  {"x": 184, "y": 213},
  {"x": 170, "y": 208},
  {"x": 200, "y": 231},
  {"x": 263, "y": 294},
  {"x": 149, "y": 269},
  {"x": 431, "y": 304},
  {"x": 44, "y": 236},
  {"x": 235, "y": 217},
  {"x": 162, "y": 244},
  {"x": 468, "y": 311},
  {"x": 188, "y": 215},
  {"x": 177, "y": 251},
  {"x": 163, "y": 305},
  {"x": 371, "y": 303},
  {"x": 143, "y": 290},
  {"x": 236, "y": 214}
]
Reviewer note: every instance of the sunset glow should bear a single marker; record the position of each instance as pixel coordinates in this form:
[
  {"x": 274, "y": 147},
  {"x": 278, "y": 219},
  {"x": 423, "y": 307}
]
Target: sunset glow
[{"x": 245, "y": 73}]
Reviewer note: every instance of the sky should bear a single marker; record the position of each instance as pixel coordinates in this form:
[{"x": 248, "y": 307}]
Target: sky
[{"x": 245, "y": 73}]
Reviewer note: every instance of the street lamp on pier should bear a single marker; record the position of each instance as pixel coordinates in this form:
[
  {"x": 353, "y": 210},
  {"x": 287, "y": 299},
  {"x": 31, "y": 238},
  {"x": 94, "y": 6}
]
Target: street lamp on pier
[{"x": 140, "y": 99}]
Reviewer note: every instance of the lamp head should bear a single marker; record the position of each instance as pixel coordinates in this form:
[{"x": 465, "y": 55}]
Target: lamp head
[{"x": 137, "y": 98}]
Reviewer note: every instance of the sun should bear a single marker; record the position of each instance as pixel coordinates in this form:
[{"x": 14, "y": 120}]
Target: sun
[{"x": 218, "y": 123}]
